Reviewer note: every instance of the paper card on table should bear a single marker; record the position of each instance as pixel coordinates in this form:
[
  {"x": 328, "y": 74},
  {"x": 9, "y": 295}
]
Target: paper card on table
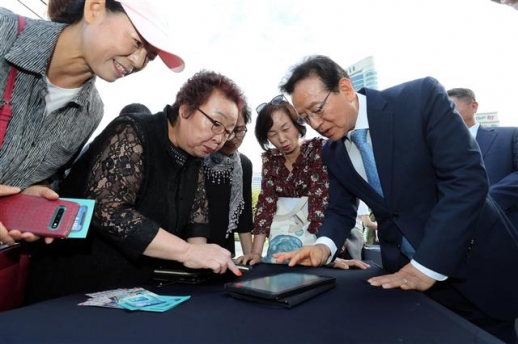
[
  {"x": 101, "y": 302},
  {"x": 110, "y": 298},
  {"x": 140, "y": 301},
  {"x": 171, "y": 302},
  {"x": 168, "y": 303},
  {"x": 83, "y": 218},
  {"x": 134, "y": 299},
  {"x": 117, "y": 293}
]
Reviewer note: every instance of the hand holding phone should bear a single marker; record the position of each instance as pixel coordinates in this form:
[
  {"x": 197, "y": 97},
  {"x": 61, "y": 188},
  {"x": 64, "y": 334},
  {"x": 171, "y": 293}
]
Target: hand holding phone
[{"x": 40, "y": 216}]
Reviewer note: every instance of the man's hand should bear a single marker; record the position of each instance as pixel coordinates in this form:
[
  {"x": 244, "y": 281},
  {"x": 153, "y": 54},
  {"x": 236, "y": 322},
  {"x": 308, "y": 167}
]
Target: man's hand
[
  {"x": 316, "y": 255},
  {"x": 408, "y": 278}
]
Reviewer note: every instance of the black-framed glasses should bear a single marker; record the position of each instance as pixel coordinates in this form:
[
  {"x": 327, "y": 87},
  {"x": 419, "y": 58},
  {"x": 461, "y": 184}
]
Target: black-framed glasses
[
  {"x": 240, "y": 133},
  {"x": 218, "y": 127},
  {"x": 316, "y": 114},
  {"x": 275, "y": 101}
]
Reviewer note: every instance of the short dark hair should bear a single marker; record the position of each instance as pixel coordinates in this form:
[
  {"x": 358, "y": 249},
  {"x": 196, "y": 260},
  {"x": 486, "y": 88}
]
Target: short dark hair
[
  {"x": 135, "y": 108},
  {"x": 322, "y": 66},
  {"x": 462, "y": 93},
  {"x": 264, "y": 122},
  {"x": 197, "y": 90}
]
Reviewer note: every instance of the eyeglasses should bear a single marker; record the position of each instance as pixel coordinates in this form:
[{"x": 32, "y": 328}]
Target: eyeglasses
[
  {"x": 310, "y": 114},
  {"x": 218, "y": 127},
  {"x": 275, "y": 101},
  {"x": 240, "y": 133}
]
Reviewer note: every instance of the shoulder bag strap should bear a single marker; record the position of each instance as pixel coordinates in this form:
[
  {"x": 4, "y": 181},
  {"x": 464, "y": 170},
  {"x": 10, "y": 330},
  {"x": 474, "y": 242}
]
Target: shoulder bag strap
[{"x": 6, "y": 108}]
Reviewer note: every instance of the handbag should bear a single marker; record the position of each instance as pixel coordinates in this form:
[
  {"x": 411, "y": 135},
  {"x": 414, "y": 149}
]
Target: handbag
[
  {"x": 14, "y": 260},
  {"x": 289, "y": 229},
  {"x": 14, "y": 268}
]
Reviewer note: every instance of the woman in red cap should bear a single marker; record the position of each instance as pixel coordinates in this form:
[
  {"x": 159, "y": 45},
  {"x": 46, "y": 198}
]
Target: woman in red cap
[{"x": 55, "y": 104}]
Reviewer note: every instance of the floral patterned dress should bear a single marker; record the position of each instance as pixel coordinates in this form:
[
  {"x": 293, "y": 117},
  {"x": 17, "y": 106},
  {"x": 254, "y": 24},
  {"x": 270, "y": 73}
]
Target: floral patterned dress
[{"x": 307, "y": 178}]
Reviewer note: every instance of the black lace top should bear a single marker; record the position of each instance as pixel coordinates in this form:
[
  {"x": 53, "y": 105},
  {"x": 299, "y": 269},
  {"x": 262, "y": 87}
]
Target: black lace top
[
  {"x": 141, "y": 183},
  {"x": 115, "y": 182}
]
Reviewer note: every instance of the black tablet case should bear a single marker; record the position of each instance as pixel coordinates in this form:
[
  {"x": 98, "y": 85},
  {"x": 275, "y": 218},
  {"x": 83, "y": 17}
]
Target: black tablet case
[
  {"x": 289, "y": 301},
  {"x": 293, "y": 298}
]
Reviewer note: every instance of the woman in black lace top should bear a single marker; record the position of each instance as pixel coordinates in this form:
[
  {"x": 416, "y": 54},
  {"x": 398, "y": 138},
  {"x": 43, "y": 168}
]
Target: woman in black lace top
[{"x": 145, "y": 173}]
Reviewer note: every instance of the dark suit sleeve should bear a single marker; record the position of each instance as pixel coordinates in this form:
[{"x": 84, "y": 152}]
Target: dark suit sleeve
[
  {"x": 461, "y": 182},
  {"x": 505, "y": 191}
]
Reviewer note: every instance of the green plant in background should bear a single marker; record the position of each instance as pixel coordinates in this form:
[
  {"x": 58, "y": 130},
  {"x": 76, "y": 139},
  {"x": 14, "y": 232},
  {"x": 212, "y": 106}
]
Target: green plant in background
[{"x": 255, "y": 195}]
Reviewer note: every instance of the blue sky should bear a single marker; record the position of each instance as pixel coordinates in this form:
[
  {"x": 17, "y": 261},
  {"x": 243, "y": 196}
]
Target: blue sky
[{"x": 462, "y": 43}]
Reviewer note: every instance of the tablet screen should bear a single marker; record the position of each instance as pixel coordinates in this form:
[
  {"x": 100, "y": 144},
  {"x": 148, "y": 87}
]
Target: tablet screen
[{"x": 279, "y": 285}]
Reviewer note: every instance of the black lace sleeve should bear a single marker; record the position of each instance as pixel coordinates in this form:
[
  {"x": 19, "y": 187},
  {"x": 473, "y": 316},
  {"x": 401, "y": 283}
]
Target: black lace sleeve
[
  {"x": 199, "y": 219},
  {"x": 114, "y": 182}
]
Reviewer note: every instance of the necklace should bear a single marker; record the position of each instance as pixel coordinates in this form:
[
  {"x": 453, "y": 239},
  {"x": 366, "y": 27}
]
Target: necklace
[{"x": 219, "y": 168}]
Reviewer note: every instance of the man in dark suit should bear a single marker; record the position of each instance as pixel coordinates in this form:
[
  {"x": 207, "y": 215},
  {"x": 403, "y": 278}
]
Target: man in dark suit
[
  {"x": 438, "y": 230},
  {"x": 499, "y": 148}
]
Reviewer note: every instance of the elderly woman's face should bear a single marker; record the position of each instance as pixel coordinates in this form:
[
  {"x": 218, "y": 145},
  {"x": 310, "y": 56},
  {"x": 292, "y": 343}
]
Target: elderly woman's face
[{"x": 199, "y": 133}]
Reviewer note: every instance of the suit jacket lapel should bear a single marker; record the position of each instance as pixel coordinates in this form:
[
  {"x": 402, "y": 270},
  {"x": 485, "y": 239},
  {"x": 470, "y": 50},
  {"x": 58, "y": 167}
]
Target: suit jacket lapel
[
  {"x": 381, "y": 131},
  {"x": 348, "y": 176},
  {"x": 485, "y": 138}
]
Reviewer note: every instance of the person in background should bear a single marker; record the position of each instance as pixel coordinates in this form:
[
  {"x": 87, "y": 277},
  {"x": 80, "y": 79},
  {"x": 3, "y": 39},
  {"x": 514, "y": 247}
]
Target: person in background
[
  {"x": 293, "y": 168},
  {"x": 406, "y": 153},
  {"x": 135, "y": 108},
  {"x": 370, "y": 226},
  {"x": 512, "y": 3},
  {"x": 353, "y": 246},
  {"x": 128, "y": 109},
  {"x": 55, "y": 104},
  {"x": 228, "y": 184},
  {"x": 146, "y": 175},
  {"x": 499, "y": 149}
]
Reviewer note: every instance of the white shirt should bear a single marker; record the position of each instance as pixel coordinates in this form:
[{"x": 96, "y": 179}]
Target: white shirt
[
  {"x": 58, "y": 97},
  {"x": 362, "y": 209},
  {"x": 362, "y": 122},
  {"x": 474, "y": 130}
]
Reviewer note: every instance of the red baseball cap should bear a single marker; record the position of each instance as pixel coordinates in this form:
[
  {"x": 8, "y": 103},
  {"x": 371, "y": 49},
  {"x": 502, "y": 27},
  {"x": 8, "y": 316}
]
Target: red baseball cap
[{"x": 152, "y": 25}]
